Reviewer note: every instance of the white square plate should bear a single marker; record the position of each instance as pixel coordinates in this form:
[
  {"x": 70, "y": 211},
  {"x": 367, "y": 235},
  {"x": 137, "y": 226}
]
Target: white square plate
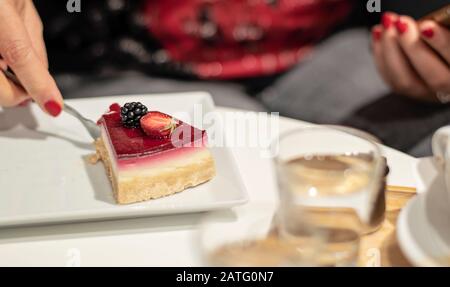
[{"x": 45, "y": 178}]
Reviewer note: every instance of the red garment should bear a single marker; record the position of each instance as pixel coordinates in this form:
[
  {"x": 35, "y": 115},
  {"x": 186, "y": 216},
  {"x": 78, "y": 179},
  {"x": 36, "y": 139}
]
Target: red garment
[{"x": 226, "y": 39}]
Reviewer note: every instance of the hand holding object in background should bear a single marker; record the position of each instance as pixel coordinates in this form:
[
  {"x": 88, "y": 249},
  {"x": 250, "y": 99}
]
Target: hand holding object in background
[{"x": 413, "y": 57}]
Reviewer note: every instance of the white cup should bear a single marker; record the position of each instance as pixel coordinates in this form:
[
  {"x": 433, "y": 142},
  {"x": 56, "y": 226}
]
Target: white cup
[{"x": 441, "y": 150}]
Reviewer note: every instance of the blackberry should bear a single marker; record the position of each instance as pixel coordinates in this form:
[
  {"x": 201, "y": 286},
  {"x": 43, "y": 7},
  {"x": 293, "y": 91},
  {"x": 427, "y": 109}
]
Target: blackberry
[{"x": 131, "y": 114}]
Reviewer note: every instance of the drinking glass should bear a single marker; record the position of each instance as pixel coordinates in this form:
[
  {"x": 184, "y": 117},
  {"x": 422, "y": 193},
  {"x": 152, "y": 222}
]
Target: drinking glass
[
  {"x": 332, "y": 180},
  {"x": 249, "y": 238}
]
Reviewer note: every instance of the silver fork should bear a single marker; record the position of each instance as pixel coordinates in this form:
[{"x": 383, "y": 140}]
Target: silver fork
[{"x": 91, "y": 126}]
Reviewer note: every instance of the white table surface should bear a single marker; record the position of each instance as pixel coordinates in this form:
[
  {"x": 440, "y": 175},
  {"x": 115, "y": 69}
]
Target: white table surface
[{"x": 154, "y": 241}]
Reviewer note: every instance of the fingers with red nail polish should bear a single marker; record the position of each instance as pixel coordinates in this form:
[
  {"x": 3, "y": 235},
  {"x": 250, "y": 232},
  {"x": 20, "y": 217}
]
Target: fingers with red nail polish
[
  {"x": 437, "y": 37},
  {"x": 393, "y": 65},
  {"x": 23, "y": 50},
  {"x": 428, "y": 33},
  {"x": 53, "y": 108},
  {"x": 378, "y": 53},
  {"x": 413, "y": 58},
  {"x": 387, "y": 20},
  {"x": 401, "y": 26},
  {"x": 428, "y": 64},
  {"x": 376, "y": 33}
]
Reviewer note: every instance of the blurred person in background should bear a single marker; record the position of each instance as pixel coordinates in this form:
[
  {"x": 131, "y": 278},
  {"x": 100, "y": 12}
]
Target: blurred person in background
[{"x": 307, "y": 59}]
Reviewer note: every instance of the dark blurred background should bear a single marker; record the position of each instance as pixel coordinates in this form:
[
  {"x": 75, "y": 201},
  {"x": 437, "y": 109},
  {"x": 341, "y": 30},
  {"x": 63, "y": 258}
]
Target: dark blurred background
[
  {"x": 107, "y": 49},
  {"x": 111, "y": 34}
]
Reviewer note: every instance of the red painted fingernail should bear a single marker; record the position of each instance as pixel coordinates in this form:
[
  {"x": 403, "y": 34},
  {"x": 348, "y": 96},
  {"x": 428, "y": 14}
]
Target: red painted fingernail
[
  {"x": 376, "y": 34},
  {"x": 401, "y": 26},
  {"x": 386, "y": 20},
  {"x": 53, "y": 108},
  {"x": 428, "y": 33}
]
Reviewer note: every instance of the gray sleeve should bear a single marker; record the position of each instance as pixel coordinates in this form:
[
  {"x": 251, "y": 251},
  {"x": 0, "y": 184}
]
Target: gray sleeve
[{"x": 339, "y": 84}]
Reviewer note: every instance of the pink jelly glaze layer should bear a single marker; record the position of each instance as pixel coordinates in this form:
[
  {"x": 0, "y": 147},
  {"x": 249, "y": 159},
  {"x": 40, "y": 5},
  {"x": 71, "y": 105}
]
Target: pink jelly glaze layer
[
  {"x": 132, "y": 146},
  {"x": 156, "y": 159}
]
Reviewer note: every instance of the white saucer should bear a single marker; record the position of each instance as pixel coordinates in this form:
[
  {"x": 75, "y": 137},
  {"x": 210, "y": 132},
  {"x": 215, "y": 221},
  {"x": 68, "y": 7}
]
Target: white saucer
[{"x": 423, "y": 227}]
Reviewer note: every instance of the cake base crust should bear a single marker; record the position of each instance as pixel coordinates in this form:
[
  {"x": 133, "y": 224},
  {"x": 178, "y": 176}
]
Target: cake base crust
[{"x": 137, "y": 189}]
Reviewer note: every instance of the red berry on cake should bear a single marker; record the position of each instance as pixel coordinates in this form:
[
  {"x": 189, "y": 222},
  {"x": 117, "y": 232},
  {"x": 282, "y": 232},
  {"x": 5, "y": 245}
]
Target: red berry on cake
[
  {"x": 114, "y": 108},
  {"x": 158, "y": 124},
  {"x": 132, "y": 113}
]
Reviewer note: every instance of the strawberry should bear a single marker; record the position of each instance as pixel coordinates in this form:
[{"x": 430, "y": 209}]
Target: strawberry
[
  {"x": 114, "y": 107},
  {"x": 158, "y": 124}
]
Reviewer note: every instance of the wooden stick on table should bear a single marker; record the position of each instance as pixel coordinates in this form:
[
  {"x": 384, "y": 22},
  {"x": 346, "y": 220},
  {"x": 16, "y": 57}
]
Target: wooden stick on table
[{"x": 395, "y": 188}]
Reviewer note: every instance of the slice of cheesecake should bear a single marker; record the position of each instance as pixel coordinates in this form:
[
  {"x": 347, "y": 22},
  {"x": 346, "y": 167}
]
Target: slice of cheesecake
[{"x": 143, "y": 165}]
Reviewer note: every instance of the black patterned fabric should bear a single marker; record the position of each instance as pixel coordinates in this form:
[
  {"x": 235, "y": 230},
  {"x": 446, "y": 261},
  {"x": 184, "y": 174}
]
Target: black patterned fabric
[
  {"x": 109, "y": 35},
  {"x": 106, "y": 36}
]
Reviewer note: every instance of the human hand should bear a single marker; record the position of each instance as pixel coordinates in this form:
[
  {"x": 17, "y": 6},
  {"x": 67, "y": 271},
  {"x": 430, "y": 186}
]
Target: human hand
[
  {"x": 413, "y": 57},
  {"x": 22, "y": 49}
]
